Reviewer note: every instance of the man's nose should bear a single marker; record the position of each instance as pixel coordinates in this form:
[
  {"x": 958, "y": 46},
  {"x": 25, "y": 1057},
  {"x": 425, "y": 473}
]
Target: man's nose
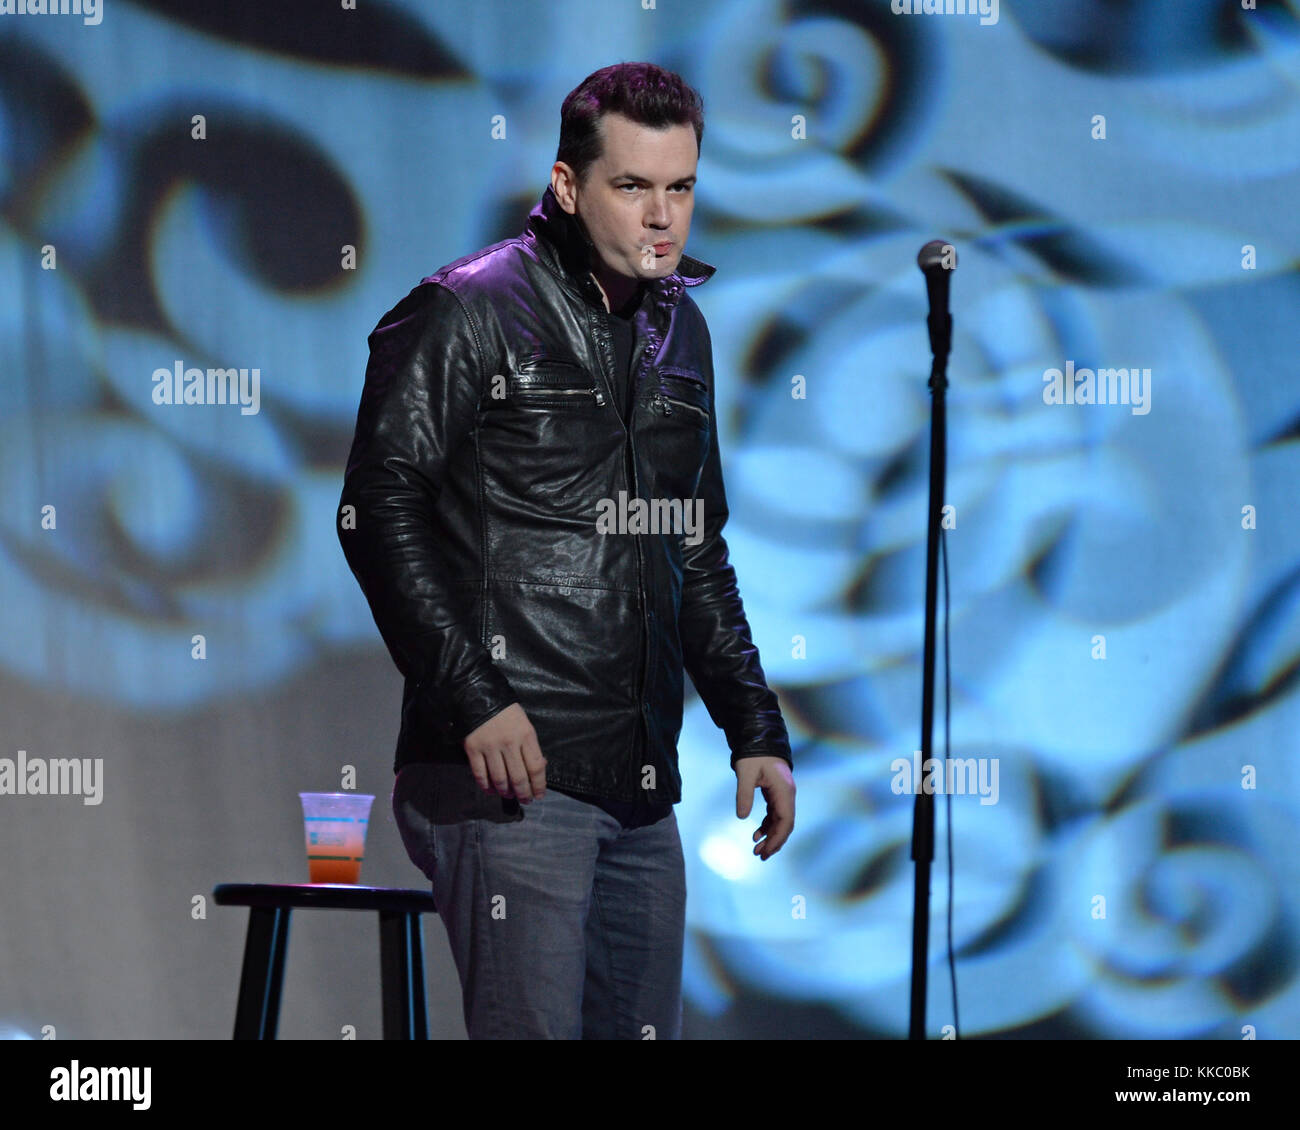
[{"x": 657, "y": 215}]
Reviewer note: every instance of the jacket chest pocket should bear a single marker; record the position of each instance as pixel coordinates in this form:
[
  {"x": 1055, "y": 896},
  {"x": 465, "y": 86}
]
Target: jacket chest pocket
[
  {"x": 682, "y": 393},
  {"x": 676, "y": 432},
  {"x": 554, "y": 386},
  {"x": 552, "y": 444}
]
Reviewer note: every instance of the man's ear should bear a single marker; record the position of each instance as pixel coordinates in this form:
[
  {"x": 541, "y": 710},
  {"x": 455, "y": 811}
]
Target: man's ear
[{"x": 564, "y": 184}]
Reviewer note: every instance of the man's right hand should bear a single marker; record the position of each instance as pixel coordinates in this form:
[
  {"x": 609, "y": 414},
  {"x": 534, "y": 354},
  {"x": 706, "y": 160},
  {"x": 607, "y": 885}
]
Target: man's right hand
[{"x": 505, "y": 757}]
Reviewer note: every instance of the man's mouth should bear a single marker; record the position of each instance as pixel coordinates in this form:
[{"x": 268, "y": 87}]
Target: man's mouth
[{"x": 662, "y": 248}]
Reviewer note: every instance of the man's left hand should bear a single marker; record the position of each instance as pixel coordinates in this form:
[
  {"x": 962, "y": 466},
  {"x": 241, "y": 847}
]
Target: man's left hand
[{"x": 773, "y": 776}]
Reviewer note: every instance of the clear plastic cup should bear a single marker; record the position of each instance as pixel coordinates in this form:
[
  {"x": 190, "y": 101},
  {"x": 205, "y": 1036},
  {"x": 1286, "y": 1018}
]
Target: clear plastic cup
[{"x": 335, "y": 824}]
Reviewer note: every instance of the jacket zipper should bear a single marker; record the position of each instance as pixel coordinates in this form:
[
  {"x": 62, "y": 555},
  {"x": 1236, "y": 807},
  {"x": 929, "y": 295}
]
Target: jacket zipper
[
  {"x": 595, "y": 392},
  {"x": 653, "y": 345},
  {"x": 666, "y": 403}
]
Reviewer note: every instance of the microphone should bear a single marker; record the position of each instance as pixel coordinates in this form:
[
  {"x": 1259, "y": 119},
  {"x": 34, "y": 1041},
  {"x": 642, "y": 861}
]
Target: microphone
[{"x": 938, "y": 259}]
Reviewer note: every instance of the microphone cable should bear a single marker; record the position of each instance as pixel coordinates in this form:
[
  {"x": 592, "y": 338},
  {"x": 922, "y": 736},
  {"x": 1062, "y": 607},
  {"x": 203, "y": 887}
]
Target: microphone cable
[{"x": 947, "y": 751}]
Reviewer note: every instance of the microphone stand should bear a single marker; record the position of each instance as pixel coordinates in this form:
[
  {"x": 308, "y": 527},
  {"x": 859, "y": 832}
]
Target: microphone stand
[{"x": 939, "y": 322}]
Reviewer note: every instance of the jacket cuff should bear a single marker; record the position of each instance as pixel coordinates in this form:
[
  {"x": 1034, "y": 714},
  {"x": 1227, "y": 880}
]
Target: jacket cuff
[
  {"x": 464, "y": 710},
  {"x": 783, "y": 754}
]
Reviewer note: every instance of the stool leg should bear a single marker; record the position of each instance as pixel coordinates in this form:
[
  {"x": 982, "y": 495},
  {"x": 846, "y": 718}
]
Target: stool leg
[
  {"x": 401, "y": 972},
  {"x": 257, "y": 1014},
  {"x": 415, "y": 947},
  {"x": 394, "y": 975}
]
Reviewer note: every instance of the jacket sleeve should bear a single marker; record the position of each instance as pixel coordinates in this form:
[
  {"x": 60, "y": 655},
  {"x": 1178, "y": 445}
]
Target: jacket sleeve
[
  {"x": 717, "y": 648},
  {"x": 420, "y": 401}
]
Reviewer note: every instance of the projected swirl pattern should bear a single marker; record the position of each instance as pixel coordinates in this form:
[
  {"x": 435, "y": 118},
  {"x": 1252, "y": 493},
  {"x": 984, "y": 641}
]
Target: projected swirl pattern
[{"x": 840, "y": 137}]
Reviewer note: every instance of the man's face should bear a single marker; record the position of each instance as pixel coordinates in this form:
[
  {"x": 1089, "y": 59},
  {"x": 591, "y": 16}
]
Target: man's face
[{"x": 639, "y": 194}]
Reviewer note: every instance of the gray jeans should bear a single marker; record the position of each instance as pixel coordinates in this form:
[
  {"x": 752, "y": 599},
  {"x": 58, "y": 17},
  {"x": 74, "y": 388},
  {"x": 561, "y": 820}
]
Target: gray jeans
[{"x": 563, "y": 923}]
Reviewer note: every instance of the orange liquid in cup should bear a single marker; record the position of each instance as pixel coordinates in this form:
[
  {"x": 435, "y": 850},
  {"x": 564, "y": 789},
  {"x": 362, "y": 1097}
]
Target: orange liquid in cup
[
  {"x": 333, "y": 870},
  {"x": 335, "y": 851}
]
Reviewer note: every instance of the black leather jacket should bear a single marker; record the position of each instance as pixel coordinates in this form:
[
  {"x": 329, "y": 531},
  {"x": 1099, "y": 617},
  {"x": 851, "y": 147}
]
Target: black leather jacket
[{"x": 487, "y": 437}]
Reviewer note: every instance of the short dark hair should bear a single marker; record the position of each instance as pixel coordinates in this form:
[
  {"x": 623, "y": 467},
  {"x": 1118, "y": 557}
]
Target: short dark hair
[{"x": 643, "y": 92}]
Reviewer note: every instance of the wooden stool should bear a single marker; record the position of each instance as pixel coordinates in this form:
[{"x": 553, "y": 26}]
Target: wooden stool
[{"x": 401, "y": 950}]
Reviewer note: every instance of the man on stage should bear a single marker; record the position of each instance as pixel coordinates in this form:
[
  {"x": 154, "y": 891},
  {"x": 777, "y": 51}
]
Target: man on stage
[{"x": 533, "y": 507}]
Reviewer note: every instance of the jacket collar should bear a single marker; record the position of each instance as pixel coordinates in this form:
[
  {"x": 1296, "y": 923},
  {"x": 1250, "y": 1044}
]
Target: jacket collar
[{"x": 563, "y": 242}]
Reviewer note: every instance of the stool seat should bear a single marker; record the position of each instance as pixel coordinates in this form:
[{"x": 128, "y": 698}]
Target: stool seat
[
  {"x": 331, "y": 896},
  {"x": 401, "y": 949}
]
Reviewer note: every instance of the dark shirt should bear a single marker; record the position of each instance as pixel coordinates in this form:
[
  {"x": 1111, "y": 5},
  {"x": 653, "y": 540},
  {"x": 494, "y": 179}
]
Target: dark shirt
[
  {"x": 621, "y": 325},
  {"x": 448, "y": 794}
]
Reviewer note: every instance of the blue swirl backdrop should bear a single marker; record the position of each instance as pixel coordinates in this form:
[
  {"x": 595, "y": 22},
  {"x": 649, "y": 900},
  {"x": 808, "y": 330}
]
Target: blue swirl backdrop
[{"x": 1121, "y": 182}]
